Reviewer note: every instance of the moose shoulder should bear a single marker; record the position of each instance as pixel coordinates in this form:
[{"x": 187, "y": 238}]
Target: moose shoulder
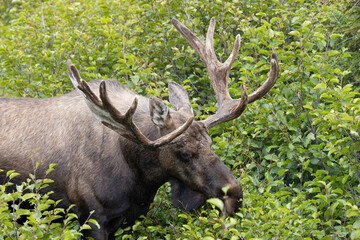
[{"x": 114, "y": 148}]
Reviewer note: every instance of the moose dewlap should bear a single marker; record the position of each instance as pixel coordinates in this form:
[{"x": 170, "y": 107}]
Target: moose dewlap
[{"x": 114, "y": 148}]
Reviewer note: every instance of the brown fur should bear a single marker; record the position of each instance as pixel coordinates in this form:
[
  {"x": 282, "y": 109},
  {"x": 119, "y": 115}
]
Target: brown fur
[{"x": 97, "y": 169}]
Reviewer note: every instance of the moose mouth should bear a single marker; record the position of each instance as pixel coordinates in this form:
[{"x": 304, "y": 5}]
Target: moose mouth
[
  {"x": 231, "y": 205},
  {"x": 190, "y": 199},
  {"x": 233, "y": 200}
]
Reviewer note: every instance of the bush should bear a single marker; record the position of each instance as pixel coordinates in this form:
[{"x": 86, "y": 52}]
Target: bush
[
  {"x": 295, "y": 151},
  {"x": 27, "y": 212}
]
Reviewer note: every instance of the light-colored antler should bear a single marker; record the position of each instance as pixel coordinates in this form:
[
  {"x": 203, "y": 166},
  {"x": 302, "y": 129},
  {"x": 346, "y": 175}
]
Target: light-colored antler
[
  {"x": 106, "y": 112},
  {"x": 228, "y": 108}
]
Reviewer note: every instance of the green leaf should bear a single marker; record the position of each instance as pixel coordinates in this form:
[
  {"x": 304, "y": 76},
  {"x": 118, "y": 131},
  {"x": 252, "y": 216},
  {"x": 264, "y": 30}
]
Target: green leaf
[
  {"x": 208, "y": 238},
  {"x": 8, "y": 173},
  {"x": 294, "y": 33},
  {"x": 183, "y": 216},
  {"x": 281, "y": 172},
  {"x": 356, "y": 224},
  {"x": 12, "y": 175},
  {"x": 306, "y": 23},
  {"x": 319, "y": 35},
  {"x": 21, "y": 212},
  {"x": 248, "y": 58},
  {"x": 93, "y": 221},
  {"x": 320, "y": 85},
  {"x": 355, "y": 234},
  {"x": 274, "y": 19},
  {"x": 216, "y": 202},
  {"x": 335, "y": 36},
  {"x": 85, "y": 227},
  {"x": 333, "y": 53},
  {"x": 352, "y": 213},
  {"x": 311, "y": 136},
  {"x": 225, "y": 189},
  {"x": 27, "y": 196},
  {"x": 51, "y": 168}
]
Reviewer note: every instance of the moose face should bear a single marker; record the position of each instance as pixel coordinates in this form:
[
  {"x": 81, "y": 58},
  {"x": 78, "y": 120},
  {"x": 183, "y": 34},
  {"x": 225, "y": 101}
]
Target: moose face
[{"x": 190, "y": 160}]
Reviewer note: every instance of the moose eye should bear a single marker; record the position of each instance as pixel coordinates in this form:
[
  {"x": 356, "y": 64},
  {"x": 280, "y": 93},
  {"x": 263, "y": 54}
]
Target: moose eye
[{"x": 185, "y": 156}]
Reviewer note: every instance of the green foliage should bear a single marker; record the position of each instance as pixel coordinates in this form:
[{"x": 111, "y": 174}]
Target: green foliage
[
  {"x": 345, "y": 20},
  {"x": 295, "y": 152},
  {"x": 27, "y": 212}
]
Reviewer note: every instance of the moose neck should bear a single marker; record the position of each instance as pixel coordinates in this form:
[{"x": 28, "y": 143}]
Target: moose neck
[{"x": 145, "y": 166}]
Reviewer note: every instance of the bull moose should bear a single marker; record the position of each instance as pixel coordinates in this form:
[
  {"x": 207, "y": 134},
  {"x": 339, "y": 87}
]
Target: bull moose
[{"x": 115, "y": 164}]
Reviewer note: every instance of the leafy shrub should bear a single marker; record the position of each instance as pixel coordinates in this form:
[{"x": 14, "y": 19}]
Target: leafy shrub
[
  {"x": 27, "y": 212},
  {"x": 295, "y": 152},
  {"x": 345, "y": 20}
]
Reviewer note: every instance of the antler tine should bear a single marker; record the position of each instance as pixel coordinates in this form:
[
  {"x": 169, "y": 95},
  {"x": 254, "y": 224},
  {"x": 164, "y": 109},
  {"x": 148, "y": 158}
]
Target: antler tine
[
  {"x": 234, "y": 110},
  {"x": 191, "y": 38},
  {"x": 209, "y": 42},
  {"x": 85, "y": 88},
  {"x": 218, "y": 72},
  {"x": 231, "y": 59},
  {"x": 219, "y": 75},
  {"x": 211, "y": 51},
  {"x": 171, "y": 136},
  {"x": 73, "y": 73},
  {"x": 269, "y": 83},
  {"x": 125, "y": 120},
  {"x": 110, "y": 108}
]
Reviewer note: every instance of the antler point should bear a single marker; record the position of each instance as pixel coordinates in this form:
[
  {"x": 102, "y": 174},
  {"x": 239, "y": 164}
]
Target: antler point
[
  {"x": 273, "y": 56},
  {"x": 135, "y": 101},
  {"x": 174, "y": 21},
  {"x": 243, "y": 87},
  {"x": 102, "y": 89}
]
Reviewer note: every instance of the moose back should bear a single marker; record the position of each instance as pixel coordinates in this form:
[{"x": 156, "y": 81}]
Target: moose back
[{"x": 114, "y": 148}]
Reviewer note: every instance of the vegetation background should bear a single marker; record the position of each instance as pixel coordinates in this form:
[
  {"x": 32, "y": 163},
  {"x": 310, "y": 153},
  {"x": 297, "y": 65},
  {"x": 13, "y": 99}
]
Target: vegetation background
[{"x": 296, "y": 151}]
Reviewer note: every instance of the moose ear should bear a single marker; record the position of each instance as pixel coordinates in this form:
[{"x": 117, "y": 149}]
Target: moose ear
[
  {"x": 159, "y": 112},
  {"x": 179, "y": 98}
]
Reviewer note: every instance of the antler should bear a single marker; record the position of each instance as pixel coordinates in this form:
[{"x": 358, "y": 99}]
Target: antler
[
  {"x": 106, "y": 112},
  {"x": 228, "y": 108}
]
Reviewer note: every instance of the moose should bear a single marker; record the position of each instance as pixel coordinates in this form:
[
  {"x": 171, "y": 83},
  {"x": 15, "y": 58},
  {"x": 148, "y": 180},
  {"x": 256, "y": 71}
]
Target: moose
[{"x": 113, "y": 149}]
